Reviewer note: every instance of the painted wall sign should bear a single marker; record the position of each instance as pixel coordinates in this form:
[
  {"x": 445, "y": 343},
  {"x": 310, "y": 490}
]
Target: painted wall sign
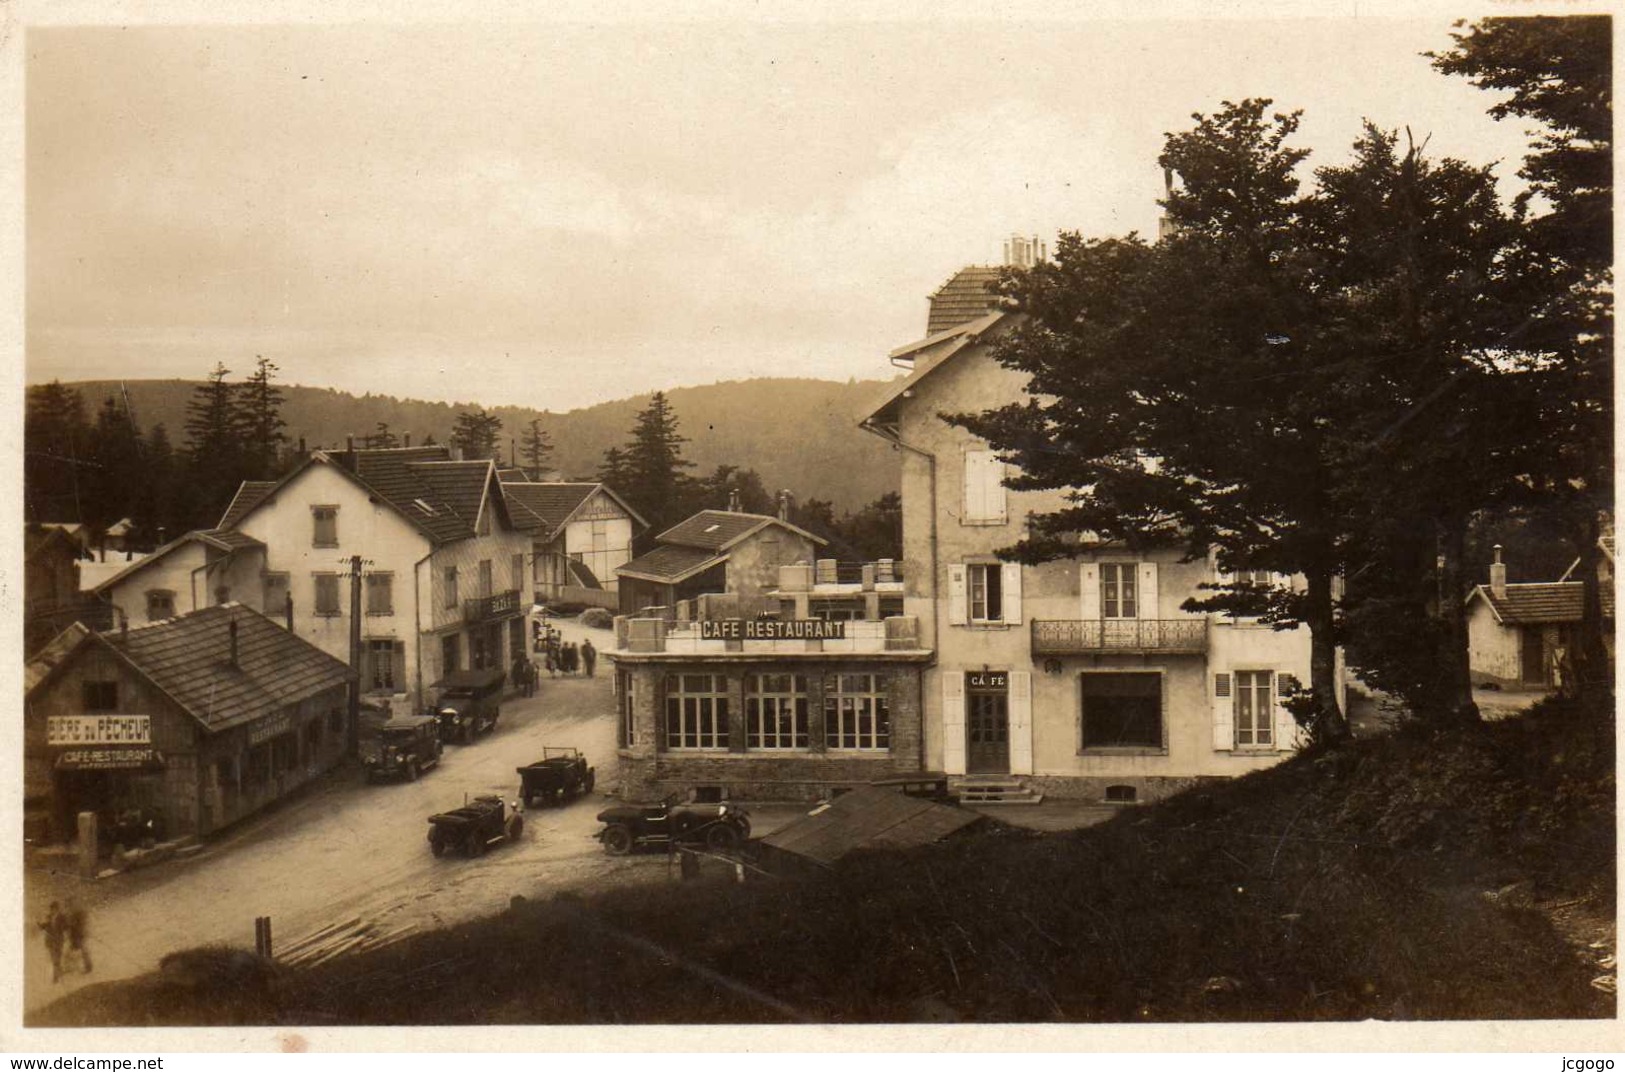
[
  {"x": 271, "y": 727},
  {"x": 98, "y": 729},
  {"x": 110, "y": 759},
  {"x": 772, "y": 629},
  {"x": 985, "y": 679}
]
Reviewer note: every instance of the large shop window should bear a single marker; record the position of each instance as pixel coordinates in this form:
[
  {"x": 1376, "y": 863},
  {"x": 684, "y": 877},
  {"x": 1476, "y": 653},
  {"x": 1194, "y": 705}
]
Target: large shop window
[
  {"x": 696, "y": 711},
  {"x": 1122, "y": 710},
  {"x": 856, "y": 711},
  {"x": 776, "y": 710}
]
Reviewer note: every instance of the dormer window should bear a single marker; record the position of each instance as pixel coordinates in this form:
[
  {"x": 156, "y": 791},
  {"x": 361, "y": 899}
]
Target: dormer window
[{"x": 712, "y": 528}]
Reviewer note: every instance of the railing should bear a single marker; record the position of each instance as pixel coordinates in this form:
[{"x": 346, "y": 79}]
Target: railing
[
  {"x": 501, "y": 605},
  {"x": 804, "y": 576},
  {"x": 1169, "y": 635}
]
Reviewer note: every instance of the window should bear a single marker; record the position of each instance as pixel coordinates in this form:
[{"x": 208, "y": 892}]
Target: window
[
  {"x": 380, "y": 593},
  {"x": 327, "y": 595},
  {"x": 451, "y": 653},
  {"x": 1122, "y": 710},
  {"x": 624, "y": 698},
  {"x": 1255, "y": 708},
  {"x": 326, "y": 519},
  {"x": 451, "y": 586},
  {"x": 776, "y": 711},
  {"x": 696, "y": 711},
  {"x": 985, "y": 586},
  {"x": 519, "y": 573},
  {"x": 856, "y": 711},
  {"x": 984, "y": 488},
  {"x": 834, "y": 610},
  {"x": 276, "y": 593},
  {"x": 385, "y": 667},
  {"x": 160, "y": 605},
  {"x": 101, "y": 695},
  {"x": 1117, "y": 592},
  {"x": 485, "y": 578}
]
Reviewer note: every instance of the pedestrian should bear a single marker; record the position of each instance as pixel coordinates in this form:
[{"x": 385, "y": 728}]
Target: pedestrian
[
  {"x": 518, "y": 674},
  {"x": 55, "y": 926},
  {"x": 551, "y": 661},
  {"x": 77, "y": 925},
  {"x": 589, "y": 656},
  {"x": 572, "y": 658}
]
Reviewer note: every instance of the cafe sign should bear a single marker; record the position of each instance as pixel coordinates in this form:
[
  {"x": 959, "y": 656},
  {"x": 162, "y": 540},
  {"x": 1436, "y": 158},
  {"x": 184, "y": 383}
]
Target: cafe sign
[
  {"x": 75, "y": 759},
  {"x": 772, "y": 629},
  {"x": 68, "y": 730},
  {"x": 988, "y": 680}
]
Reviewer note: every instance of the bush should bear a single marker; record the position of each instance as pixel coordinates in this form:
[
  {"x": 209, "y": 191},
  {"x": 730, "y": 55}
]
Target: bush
[{"x": 597, "y": 618}]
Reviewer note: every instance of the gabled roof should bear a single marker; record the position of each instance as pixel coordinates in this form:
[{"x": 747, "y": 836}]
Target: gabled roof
[
  {"x": 216, "y": 539},
  {"x": 189, "y": 659},
  {"x": 931, "y": 354},
  {"x": 53, "y": 654},
  {"x": 964, "y": 297},
  {"x": 1541, "y": 603},
  {"x": 38, "y": 540},
  {"x": 670, "y": 564},
  {"x": 555, "y": 503},
  {"x": 718, "y": 530},
  {"x": 123, "y": 527},
  {"x": 249, "y": 495}
]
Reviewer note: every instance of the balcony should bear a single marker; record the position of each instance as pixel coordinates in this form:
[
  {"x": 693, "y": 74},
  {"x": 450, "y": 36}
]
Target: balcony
[
  {"x": 661, "y": 635},
  {"x": 1128, "y": 636},
  {"x": 487, "y": 608}
]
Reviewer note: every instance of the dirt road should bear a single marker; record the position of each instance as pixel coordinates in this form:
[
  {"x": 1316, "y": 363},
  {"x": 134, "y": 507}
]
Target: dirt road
[{"x": 350, "y": 850}]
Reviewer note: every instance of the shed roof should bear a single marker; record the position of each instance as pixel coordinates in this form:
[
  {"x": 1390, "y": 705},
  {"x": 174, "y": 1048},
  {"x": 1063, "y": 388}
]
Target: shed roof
[
  {"x": 1541, "y": 603},
  {"x": 668, "y": 564},
  {"x": 871, "y": 817}
]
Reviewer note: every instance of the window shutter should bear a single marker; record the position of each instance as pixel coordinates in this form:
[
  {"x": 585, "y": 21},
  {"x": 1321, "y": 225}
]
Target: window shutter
[
  {"x": 1224, "y": 715},
  {"x": 953, "y": 722},
  {"x": 1021, "y": 722},
  {"x": 1286, "y": 727},
  {"x": 1148, "y": 590},
  {"x": 993, "y": 488},
  {"x": 956, "y": 595},
  {"x": 1089, "y": 589},
  {"x": 1012, "y": 592},
  {"x": 975, "y": 497}
]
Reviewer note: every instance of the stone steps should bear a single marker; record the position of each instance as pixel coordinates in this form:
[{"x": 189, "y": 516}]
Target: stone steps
[{"x": 994, "y": 790}]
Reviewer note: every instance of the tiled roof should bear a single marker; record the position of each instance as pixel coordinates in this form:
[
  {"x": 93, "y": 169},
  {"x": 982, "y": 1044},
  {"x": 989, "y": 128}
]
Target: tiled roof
[
  {"x": 964, "y": 297},
  {"x": 412, "y": 478},
  {"x": 189, "y": 658},
  {"x": 51, "y": 655},
  {"x": 226, "y": 540},
  {"x": 871, "y": 817},
  {"x": 552, "y": 503},
  {"x": 216, "y": 538},
  {"x": 1537, "y": 604},
  {"x": 459, "y": 485},
  {"x": 715, "y": 530},
  {"x": 249, "y": 495},
  {"x": 669, "y": 564}
]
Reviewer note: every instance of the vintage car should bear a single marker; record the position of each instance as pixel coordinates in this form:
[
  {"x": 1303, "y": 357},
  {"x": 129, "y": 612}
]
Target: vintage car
[
  {"x": 402, "y": 748},
  {"x": 720, "y": 827},
  {"x": 560, "y": 774},
  {"x": 476, "y": 826},
  {"x": 467, "y": 703}
]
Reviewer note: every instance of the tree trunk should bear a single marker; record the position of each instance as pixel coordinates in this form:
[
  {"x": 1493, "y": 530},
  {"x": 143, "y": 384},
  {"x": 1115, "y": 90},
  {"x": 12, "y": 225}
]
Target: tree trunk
[
  {"x": 1594, "y": 670},
  {"x": 1331, "y": 726},
  {"x": 1455, "y": 667}
]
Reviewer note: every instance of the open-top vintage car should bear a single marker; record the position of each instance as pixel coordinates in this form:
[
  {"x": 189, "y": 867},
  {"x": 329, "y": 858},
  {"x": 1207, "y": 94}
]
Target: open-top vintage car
[
  {"x": 719, "y": 827},
  {"x": 560, "y": 774},
  {"x": 475, "y": 827}
]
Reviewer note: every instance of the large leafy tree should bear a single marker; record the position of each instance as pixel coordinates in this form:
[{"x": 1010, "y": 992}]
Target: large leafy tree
[{"x": 1557, "y": 72}]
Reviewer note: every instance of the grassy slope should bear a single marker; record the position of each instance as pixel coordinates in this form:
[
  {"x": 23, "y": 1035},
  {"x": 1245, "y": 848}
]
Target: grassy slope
[{"x": 1340, "y": 887}]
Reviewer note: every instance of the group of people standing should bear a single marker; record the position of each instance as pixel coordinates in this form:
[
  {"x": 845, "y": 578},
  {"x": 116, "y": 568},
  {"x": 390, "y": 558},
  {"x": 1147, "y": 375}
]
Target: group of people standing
[
  {"x": 66, "y": 930},
  {"x": 556, "y": 656}
]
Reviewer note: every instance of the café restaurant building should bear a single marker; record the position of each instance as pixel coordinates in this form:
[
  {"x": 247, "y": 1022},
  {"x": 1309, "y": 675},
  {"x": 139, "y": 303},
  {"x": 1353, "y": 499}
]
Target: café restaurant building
[
  {"x": 718, "y": 701},
  {"x": 195, "y": 721}
]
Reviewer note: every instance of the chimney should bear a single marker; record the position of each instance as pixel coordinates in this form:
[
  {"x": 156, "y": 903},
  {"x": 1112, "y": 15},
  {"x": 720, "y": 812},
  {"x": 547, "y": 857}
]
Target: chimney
[
  {"x": 302, "y": 451},
  {"x": 349, "y": 444},
  {"x": 232, "y": 628},
  {"x": 733, "y": 501},
  {"x": 1166, "y": 226},
  {"x": 784, "y": 505},
  {"x": 1498, "y": 575},
  {"x": 406, "y": 439},
  {"x": 287, "y": 610}
]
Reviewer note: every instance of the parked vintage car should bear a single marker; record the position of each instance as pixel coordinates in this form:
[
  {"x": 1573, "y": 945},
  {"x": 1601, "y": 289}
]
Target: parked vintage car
[
  {"x": 560, "y": 774},
  {"x": 720, "y": 827},
  {"x": 476, "y": 826},
  {"x": 467, "y": 703},
  {"x": 402, "y": 748}
]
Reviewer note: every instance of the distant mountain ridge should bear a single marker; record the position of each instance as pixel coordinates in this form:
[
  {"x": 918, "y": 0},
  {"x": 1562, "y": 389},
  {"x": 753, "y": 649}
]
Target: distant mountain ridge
[{"x": 800, "y": 434}]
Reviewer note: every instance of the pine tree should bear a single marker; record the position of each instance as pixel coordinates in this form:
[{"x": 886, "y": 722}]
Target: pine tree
[
  {"x": 118, "y": 478},
  {"x": 476, "y": 433},
  {"x": 614, "y": 470},
  {"x": 55, "y": 440},
  {"x": 213, "y": 446},
  {"x": 655, "y": 478},
  {"x": 259, "y": 422},
  {"x": 382, "y": 438},
  {"x": 536, "y": 449}
]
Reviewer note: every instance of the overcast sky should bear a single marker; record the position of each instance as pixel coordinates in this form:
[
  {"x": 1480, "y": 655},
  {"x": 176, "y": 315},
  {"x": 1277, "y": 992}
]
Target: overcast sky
[{"x": 557, "y": 215}]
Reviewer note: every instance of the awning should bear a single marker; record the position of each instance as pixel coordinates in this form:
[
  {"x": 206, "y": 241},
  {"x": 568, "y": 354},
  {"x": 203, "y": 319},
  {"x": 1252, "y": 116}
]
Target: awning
[{"x": 78, "y": 759}]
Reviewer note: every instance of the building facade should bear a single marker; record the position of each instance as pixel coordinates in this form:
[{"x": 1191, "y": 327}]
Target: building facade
[
  {"x": 584, "y": 534},
  {"x": 713, "y": 552}
]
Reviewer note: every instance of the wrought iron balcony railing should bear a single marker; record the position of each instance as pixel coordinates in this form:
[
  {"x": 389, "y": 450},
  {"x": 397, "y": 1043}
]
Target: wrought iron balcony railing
[
  {"x": 1127, "y": 635},
  {"x": 501, "y": 605}
]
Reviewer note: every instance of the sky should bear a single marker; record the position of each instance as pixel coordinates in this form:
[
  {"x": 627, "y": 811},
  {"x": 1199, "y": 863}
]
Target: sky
[{"x": 559, "y": 214}]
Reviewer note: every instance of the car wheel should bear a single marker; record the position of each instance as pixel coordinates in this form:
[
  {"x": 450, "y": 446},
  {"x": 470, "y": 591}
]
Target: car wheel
[
  {"x": 721, "y": 838},
  {"x": 437, "y": 846},
  {"x": 617, "y": 840}
]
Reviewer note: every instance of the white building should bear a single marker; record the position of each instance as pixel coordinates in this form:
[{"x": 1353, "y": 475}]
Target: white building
[{"x": 584, "y": 533}]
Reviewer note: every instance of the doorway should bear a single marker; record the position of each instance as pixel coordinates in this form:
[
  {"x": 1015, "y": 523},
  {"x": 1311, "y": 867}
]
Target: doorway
[{"x": 987, "y": 722}]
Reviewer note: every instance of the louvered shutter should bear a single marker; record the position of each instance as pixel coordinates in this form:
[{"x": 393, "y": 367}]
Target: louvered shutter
[
  {"x": 1147, "y": 577},
  {"x": 1012, "y": 592},
  {"x": 1089, "y": 590},
  {"x": 975, "y": 486},
  {"x": 1224, "y": 715},
  {"x": 993, "y": 487},
  {"x": 1021, "y": 722},
  {"x": 1286, "y": 727},
  {"x": 953, "y": 722},
  {"x": 956, "y": 594}
]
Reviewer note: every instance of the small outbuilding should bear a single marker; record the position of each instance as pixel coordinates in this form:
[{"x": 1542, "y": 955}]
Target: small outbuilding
[{"x": 874, "y": 817}]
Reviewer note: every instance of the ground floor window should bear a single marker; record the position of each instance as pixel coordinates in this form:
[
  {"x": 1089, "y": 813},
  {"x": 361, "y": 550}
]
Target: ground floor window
[
  {"x": 1122, "y": 710},
  {"x": 856, "y": 711},
  {"x": 624, "y": 701},
  {"x": 1255, "y": 708},
  {"x": 776, "y": 711},
  {"x": 385, "y": 668},
  {"x": 696, "y": 711},
  {"x": 451, "y": 653}
]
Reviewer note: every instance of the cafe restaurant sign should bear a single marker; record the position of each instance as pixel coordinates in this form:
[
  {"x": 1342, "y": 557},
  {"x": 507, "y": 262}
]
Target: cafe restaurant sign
[
  {"x": 98, "y": 729},
  {"x": 772, "y": 629}
]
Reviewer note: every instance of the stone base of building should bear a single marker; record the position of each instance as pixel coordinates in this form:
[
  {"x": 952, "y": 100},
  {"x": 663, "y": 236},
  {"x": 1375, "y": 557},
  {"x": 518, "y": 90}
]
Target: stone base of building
[
  {"x": 1109, "y": 790},
  {"x": 730, "y": 776}
]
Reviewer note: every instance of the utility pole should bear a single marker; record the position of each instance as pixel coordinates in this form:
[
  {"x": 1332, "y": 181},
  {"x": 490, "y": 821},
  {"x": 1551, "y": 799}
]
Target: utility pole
[{"x": 354, "y": 743}]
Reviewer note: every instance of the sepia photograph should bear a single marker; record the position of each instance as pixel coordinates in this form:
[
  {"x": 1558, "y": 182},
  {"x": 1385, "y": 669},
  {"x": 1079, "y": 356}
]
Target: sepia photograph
[{"x": 541, "y": 517}]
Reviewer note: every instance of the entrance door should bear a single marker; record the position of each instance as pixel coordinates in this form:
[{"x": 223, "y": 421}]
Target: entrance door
[
  {"x": 1533, "y": 652},
  {"x": 987, "y": 723}
]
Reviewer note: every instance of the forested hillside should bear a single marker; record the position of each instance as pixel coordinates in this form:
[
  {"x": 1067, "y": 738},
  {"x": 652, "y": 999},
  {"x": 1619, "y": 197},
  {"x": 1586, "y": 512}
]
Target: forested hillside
[{"x": 799, "y": 434}]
